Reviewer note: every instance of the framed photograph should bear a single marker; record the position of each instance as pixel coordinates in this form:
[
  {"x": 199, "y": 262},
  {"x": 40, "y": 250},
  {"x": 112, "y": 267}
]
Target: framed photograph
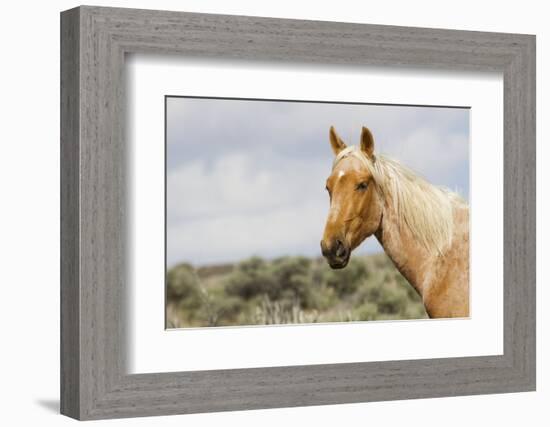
[
  {"x": 261, "y": 213},
  {"x": 244, "y": 218}
]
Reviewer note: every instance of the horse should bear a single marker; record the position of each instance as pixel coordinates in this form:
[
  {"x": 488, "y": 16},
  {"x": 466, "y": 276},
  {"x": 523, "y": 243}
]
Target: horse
[{"x": 423, "y": 228}]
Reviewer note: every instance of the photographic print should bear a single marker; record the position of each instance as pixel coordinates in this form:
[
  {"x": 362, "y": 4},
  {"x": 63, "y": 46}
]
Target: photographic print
[{"x": 292, "y": 212}]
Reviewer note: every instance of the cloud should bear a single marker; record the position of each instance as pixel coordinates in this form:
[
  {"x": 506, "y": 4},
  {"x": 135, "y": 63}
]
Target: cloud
[
  {"x": 247, "y": 177},
  {"x": 239, "y": 184},
  {"x": 288, "y": 230},
  {"x": 439, "y": 157},
  {"x": 238, "y": 206}
]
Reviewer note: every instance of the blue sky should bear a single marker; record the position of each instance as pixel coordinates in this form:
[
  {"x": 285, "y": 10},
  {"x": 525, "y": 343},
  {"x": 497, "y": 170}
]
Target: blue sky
[{"x": 248, "y": 177}]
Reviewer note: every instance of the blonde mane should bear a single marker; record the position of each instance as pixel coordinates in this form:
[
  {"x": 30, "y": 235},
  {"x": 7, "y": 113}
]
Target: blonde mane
[{"x": 425, "y": 209}]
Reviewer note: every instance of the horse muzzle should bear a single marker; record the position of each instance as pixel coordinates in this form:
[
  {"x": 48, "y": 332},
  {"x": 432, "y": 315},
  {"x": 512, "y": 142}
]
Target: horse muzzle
[{"x": 336, "y": 253}]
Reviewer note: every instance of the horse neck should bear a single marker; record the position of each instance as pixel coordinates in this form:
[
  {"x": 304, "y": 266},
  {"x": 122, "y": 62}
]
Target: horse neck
[{"x": 410, "y": 258}]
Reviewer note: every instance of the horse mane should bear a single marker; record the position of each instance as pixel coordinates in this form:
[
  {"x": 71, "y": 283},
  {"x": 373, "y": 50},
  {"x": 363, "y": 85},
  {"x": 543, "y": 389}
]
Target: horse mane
[{"x": 425, "y": 209}]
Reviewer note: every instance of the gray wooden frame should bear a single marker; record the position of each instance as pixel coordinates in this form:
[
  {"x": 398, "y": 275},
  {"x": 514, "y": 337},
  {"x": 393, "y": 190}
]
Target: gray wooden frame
[{"x": 94, "y": 41}]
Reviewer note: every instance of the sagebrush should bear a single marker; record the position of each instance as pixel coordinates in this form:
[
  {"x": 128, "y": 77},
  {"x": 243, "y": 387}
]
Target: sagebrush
[{"x": 287, "y": 290}]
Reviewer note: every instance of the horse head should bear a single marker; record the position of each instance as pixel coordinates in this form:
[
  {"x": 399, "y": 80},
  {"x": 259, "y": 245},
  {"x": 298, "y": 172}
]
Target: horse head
[{"x": 355, "y": 203}]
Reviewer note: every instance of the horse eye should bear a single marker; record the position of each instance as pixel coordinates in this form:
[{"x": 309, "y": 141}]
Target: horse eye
[{"x": 362, "y": 185}]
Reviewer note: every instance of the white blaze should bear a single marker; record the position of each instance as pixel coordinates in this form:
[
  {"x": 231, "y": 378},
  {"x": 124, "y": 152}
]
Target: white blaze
[{"x": 335, "y": 207}]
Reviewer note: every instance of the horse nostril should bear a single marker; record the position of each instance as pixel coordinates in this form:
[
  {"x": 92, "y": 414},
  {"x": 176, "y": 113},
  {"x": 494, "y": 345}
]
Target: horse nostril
[{"x": 341, "y": 251}]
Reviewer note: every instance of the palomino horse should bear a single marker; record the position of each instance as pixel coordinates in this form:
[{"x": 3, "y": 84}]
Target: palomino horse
[{"x": 424, "y": 229}]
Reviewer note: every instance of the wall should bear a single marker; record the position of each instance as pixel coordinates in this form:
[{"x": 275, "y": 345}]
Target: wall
[{"x": 29, "y": 229}]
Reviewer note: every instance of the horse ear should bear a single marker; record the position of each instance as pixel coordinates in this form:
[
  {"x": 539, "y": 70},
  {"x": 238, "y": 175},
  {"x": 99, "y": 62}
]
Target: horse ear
[
  {"x": 336, "y": 142},
  {"x": 367, "y": 142}
]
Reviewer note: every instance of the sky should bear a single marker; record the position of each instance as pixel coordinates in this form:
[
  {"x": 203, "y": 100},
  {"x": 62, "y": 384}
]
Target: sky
[{"x": 247, "y": 177}]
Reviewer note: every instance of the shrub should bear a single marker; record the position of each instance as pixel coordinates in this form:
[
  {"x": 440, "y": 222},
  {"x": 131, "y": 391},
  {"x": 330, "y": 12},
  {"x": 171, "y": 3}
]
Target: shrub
[
  {"x": 249, "y": 279},
  {"x": 292, "y": 280},
  {"x": 217, "y": 310},
  {"x": 181, "y": 282},
  {"x": 393, "y": 300},
  {"x": 289, "y": 290},
  {"x": 347, "y": 281},
  {"x": 367, "y": 311}
]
